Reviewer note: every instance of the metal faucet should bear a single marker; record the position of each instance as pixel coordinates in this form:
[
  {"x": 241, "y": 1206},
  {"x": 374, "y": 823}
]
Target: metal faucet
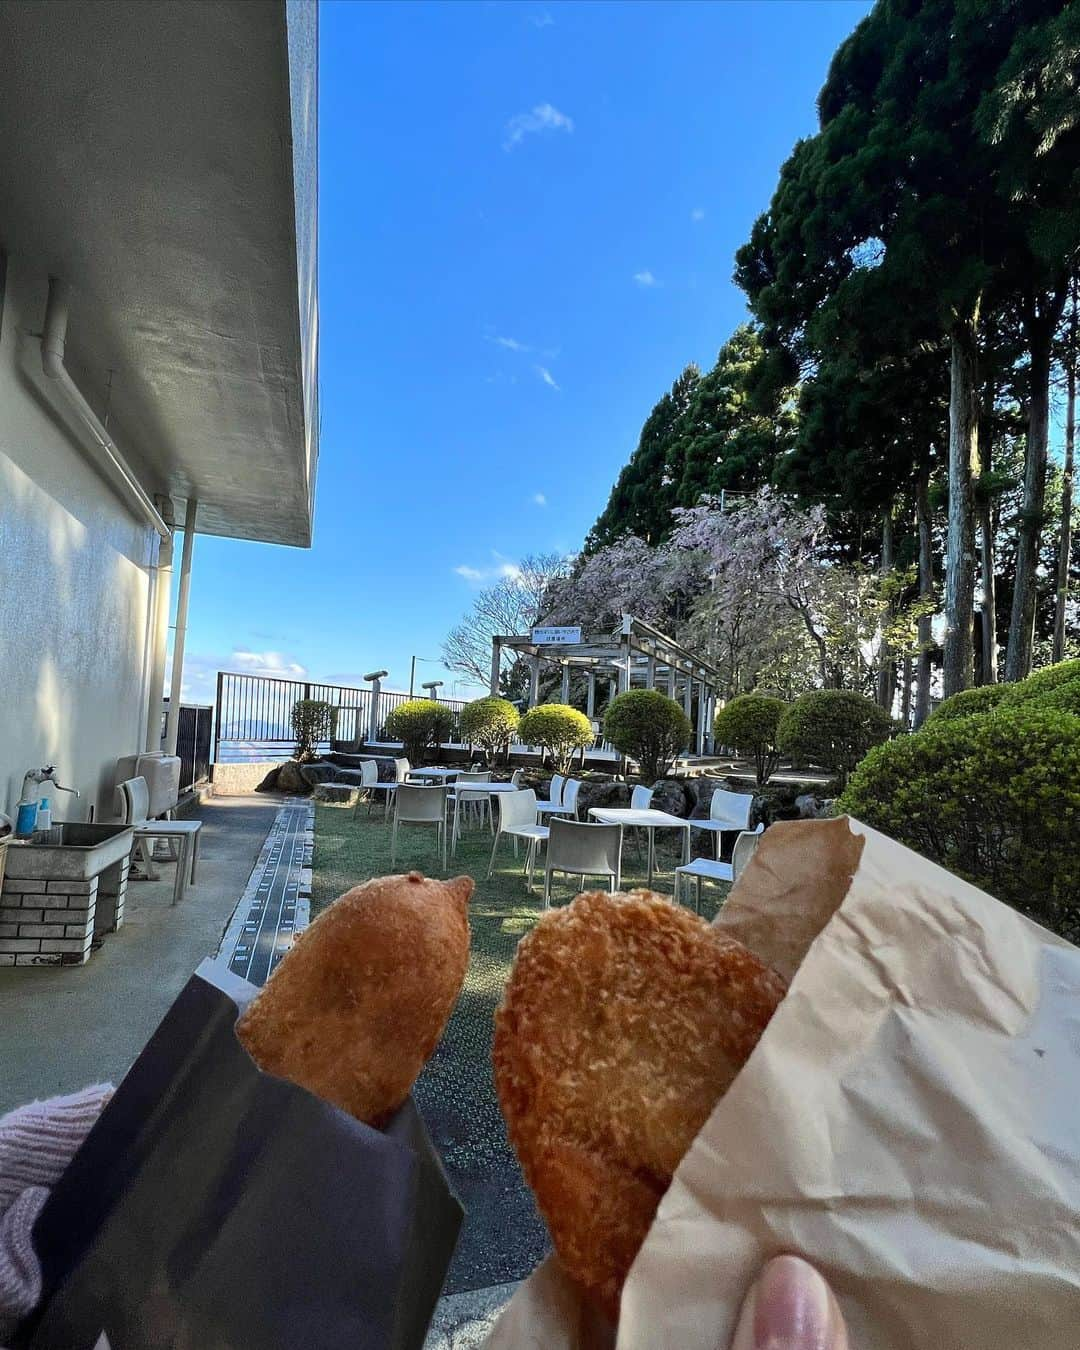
[{"x": 45, "y": 775}]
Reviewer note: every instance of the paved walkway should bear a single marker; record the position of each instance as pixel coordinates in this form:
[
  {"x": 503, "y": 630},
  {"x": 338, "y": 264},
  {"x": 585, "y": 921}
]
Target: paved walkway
[
  {"x": 63, "y": 1027},
  {"x": 277, "y": 902}
]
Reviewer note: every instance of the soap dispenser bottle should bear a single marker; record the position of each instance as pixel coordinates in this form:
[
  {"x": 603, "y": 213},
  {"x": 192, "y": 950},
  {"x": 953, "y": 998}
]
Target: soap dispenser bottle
[{"x": 26, "y": 812}]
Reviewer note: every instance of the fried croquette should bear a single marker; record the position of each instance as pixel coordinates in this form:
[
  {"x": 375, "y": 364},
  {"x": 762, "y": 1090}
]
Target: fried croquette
[
  {"x": 624, "y": 1021},
  {"x": 359, "y": 1002}
]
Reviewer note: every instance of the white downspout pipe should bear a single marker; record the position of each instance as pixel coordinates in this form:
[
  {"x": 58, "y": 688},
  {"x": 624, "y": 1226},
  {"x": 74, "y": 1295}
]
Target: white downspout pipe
[
  {"x": 180, "y": 631},
  {"x": 159, "y": 621},
  {"x": 102, "y": 445}
]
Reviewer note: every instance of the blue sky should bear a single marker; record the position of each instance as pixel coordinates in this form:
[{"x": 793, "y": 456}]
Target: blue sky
[{"x": 528, "y": 214}]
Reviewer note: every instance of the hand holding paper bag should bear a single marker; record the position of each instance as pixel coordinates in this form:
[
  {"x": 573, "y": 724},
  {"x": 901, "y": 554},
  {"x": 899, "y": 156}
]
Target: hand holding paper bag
[{"x": 907, "y": 1122}]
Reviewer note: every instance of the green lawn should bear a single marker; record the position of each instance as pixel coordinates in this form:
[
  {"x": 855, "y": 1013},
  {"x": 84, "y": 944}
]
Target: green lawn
[{"x": 502, "y": 1238}]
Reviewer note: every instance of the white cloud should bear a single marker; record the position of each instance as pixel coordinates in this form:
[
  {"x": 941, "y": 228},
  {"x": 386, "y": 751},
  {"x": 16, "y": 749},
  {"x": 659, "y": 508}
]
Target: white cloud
[
  {"x": 542, "y": 118},
  {"x": 500, "y": 567},
  {"x": 541, "y": 20},
  {"x": 547, "y": 377},
  {"x": 511, "y": 344},
  {"x": 645, "y": 278},
  {"x": 267, "y": 663},
  {"x": 539, "y": 499},
  {"x": 698, "y": 213}
]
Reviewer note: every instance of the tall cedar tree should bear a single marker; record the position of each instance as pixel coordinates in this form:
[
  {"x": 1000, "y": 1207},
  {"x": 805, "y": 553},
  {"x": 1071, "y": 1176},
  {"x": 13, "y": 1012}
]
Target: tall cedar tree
[
  {"x": 904, "y": 172},
  {"x": 1031, "y": 119},
  {"x": 725, "y": 442},
  {"x": 644, "y": 493}
]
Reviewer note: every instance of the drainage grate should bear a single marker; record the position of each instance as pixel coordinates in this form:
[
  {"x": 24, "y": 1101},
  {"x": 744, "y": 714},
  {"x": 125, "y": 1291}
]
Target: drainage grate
[{"x": 277, "y": 900}]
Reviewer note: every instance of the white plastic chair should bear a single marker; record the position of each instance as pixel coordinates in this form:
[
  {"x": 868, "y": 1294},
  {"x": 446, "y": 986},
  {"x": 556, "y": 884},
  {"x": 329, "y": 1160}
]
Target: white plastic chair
[
  {"x": 369, "y": 781},
  {"x": 568, "y": 805},
  {"x": 401, "y": 772},
  {"x": 462, "y": 800},
  {"x": 515, "y": 778},
  {"x": 585, "y": 850},
  {"x": 133, "y": 799},
  {"x": 705, "y": 869},
  {"x": 728, "y": 811},
  {"x": 419, "y": 806},
  {"x": 517, "y": 819},
  {"x": 640, "y": 800},
  {"x": 554, "y": 802}
]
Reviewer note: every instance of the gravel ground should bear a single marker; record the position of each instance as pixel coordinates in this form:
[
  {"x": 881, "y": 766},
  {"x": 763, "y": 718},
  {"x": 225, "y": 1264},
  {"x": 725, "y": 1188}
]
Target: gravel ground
[{"x": 503, "y": 1237}]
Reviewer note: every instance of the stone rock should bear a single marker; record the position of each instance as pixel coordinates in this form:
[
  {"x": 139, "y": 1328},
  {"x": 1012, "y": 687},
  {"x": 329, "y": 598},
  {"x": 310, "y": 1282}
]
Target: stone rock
[
  {"x": 289, "y": 778},
  {"x": 318, "y": 772},
  {"x": 344, "y": 760},
  {"x": 605, "y": 792},
  {"x": 270, "y": 782},
  {"x": 808, "y": 806},
  {"x": 671, "y": 795},
  {"x": 701, "y": 789},
  {"x": 344, "y": 793},
  {"x": 349, "y": 777}
]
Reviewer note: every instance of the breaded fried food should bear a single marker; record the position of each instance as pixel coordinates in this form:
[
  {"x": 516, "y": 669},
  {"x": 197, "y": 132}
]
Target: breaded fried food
[
  {"x": 624, "y": 1020},
  {"x": 358, "y": 1003}
]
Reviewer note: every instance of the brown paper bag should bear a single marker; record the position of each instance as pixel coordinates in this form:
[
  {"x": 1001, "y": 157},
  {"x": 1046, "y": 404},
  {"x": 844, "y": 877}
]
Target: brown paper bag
[{"x": 910, "y": 1121}]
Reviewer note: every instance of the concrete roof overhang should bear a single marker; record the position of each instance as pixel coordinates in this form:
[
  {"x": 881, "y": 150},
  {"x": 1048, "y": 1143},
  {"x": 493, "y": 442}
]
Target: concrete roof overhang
[{"x": 161, "y": 159}]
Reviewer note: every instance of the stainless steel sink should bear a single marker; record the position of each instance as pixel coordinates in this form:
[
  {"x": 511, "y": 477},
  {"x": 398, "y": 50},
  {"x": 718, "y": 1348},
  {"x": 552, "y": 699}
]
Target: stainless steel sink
[{"x": 83, "y": 851}]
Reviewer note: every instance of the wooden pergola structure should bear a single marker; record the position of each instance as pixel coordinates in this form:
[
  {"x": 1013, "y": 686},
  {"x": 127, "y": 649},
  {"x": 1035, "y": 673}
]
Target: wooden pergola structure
[{"x": 636, "y": 656}]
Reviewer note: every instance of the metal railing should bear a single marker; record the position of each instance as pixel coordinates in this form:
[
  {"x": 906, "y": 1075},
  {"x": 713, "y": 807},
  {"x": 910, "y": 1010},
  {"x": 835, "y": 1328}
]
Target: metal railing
[{"x": 253, "y": 714}]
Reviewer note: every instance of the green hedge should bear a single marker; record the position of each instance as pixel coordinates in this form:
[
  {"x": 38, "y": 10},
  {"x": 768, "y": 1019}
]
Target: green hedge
[
  {"x": 833, "y": 728},
  {"x": 1044, "y": 681},
  {"x": 420, "y": 724},
  {"x": 650, "y": 726},
  {"x": 1065, "y": 697},
  {"x": 490, "y": 723},
  {"x": 749, "y": 723},
  {"x": 559, "y": 729},
  {"x": 969, "y": 702},
  {"x": 995, "y": 799},
  {"x": 312, "y": 721}
]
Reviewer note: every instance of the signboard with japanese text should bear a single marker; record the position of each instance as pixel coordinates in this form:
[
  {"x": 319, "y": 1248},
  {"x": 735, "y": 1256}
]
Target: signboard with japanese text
[{"x": 554, "y": 637}]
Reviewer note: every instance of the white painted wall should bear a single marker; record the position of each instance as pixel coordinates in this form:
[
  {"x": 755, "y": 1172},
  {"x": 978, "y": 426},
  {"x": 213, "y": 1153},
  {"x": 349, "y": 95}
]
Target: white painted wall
[{"x": 75, "y": 585}]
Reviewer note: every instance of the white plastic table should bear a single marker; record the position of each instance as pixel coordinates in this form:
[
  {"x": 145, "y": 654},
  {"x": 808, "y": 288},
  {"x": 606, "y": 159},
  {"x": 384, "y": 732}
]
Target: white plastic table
[
  {"x": 436, "y": 774},
  {"x": 650, "y": 820}
]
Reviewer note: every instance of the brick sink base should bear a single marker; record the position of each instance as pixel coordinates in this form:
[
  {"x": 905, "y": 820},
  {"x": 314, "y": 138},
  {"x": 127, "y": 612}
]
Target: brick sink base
[{"x": 52, "y": 923}]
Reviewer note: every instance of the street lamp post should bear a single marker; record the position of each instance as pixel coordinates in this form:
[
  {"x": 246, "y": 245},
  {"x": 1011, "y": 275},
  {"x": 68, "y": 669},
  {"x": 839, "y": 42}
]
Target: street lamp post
[{"x": 428, "y": 660}]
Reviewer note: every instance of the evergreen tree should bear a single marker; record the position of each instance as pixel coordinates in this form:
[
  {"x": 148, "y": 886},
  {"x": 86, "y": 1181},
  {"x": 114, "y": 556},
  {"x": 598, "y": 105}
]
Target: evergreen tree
[
  {"x": 725, "y": 441},
  {"x": 644, "y": 493},
  {"x": 921, "y": 114}
]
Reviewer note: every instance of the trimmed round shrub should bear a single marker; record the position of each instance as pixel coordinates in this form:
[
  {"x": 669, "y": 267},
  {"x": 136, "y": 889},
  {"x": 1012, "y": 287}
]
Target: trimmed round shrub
[
  {"x": 969, "y": 702},
  {"x": 994, "y": 799},
  {"x": 419, "y": 723},
  {"x": 312, "y": 721},
  {"x": 558, "y": 729},
  {"x": 1065, "y": 697},
  {"x": 649, "y": 726},
  {"x": 1042, "y": 682},
  {"x": 833, "y": 728},
  {"x": 490, "y": 723},
  {"x": 749, "y": 724}
]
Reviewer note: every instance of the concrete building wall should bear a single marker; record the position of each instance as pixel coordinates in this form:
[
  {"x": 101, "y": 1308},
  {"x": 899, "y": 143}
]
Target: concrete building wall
[{"x": 75, "y": 584}]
